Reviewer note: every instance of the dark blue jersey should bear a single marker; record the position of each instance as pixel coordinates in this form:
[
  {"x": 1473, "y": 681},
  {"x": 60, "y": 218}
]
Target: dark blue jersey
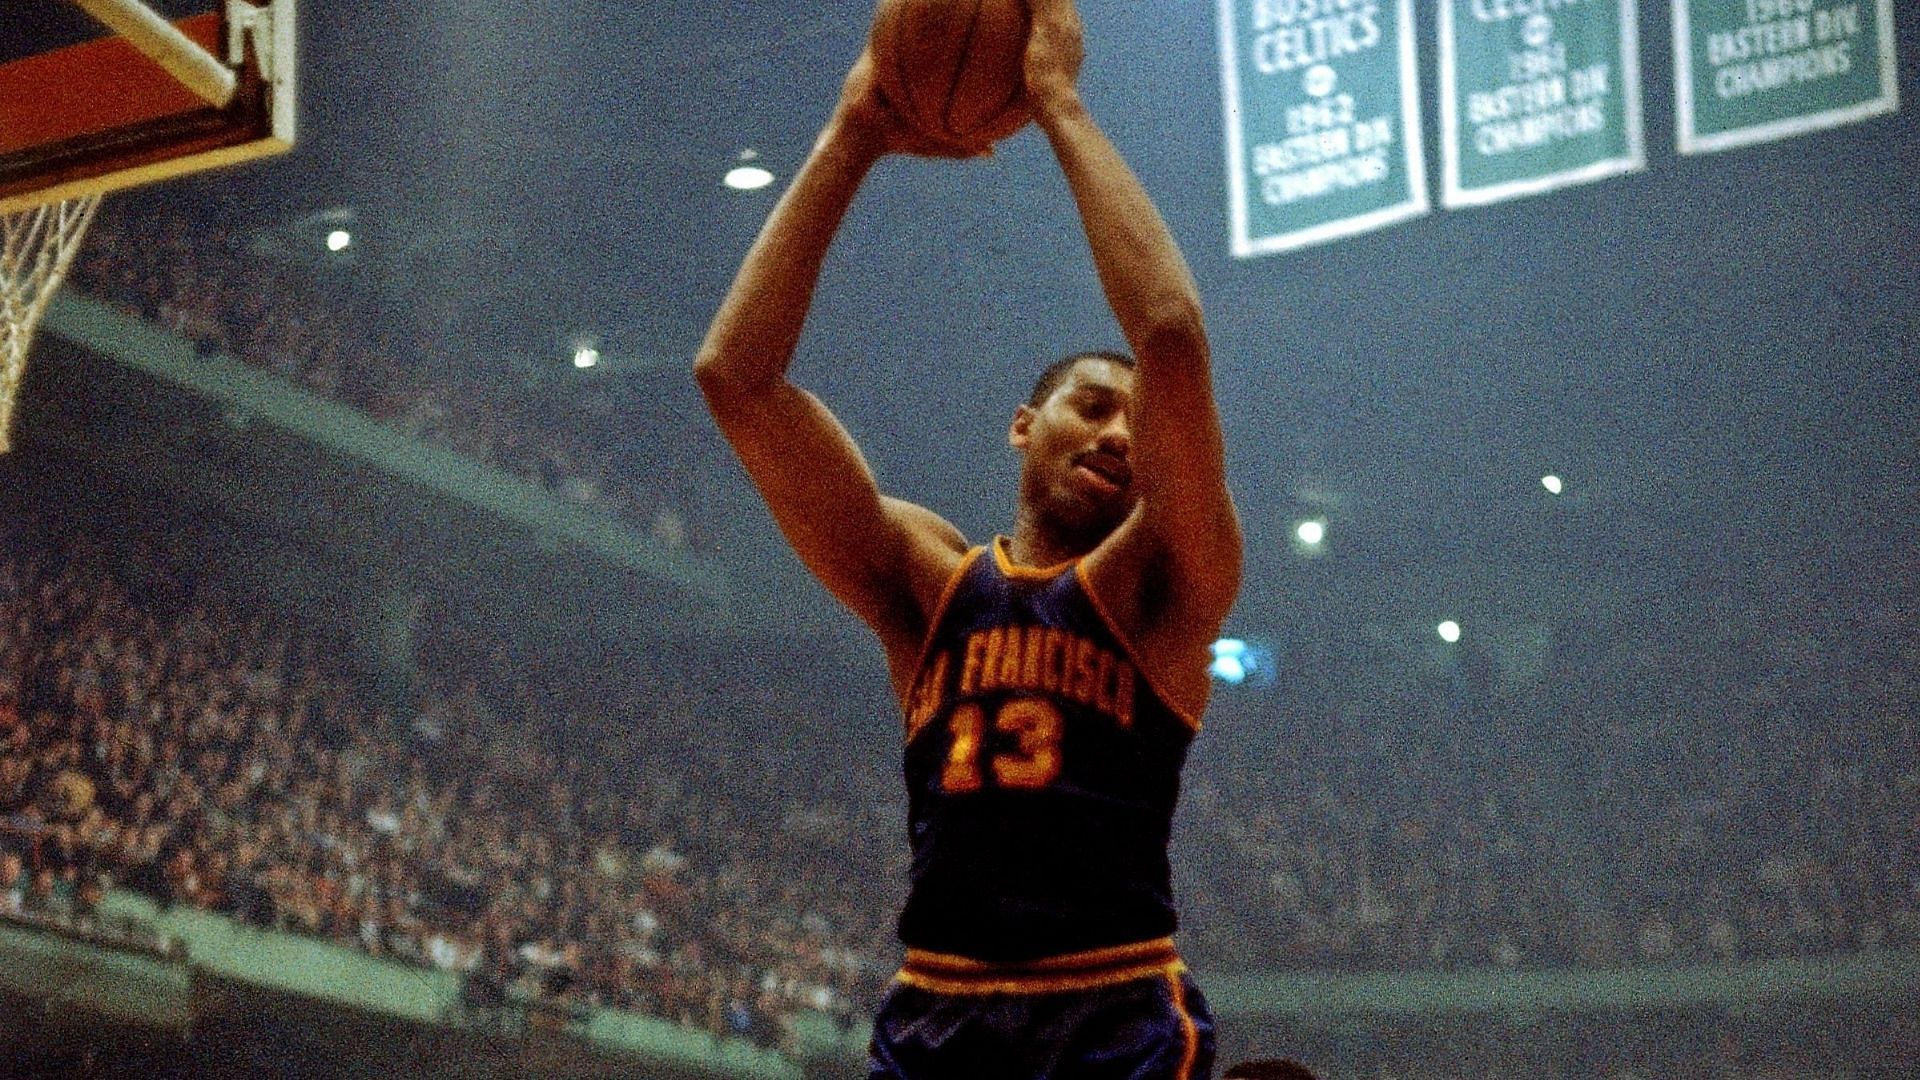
[{"x": 1042, "y": 771}]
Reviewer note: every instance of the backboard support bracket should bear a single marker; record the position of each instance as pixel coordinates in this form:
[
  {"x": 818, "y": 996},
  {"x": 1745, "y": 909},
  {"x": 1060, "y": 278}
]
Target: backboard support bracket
[{"x": 196, "y": 68}]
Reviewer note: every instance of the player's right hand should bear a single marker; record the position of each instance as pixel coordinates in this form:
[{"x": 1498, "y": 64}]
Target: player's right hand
[
  {"x": 864, "y": 109},
  {"x": 1056, "y": 48}
]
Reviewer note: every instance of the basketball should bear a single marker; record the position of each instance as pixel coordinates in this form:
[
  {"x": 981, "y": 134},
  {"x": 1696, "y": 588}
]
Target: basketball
[{"x": 952, "y": 69}]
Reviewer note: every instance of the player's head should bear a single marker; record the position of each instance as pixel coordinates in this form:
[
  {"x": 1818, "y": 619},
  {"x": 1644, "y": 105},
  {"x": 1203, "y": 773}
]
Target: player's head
[
  {"x": 1057, "y": 372},
  {"x": 1277, "y": 1069},
  {"x": 1076, "y": 475}
]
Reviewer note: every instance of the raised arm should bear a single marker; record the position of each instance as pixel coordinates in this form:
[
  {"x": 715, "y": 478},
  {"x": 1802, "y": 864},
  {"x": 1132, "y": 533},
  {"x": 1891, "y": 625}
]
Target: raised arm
[
  {"x": 870, "y": 551},
  {"x": 1185, "y": 533}
]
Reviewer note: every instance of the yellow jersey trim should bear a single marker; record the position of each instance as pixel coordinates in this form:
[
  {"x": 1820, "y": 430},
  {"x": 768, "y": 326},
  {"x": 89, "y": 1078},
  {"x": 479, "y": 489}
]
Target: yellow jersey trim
[
  {"x": 1126, "y": 644},
  {"x": 1026, "y": 573},
  {"x": 933, "y": 629},
  {"x": 947, "y": 974},
  {"x": 1189, "y": 1031}
]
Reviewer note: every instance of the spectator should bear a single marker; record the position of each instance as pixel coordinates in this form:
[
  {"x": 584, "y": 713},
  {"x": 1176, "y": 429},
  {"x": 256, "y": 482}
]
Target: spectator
[
  {"x": 43, "y": 898},
  {"x": 13, "y": 883}
]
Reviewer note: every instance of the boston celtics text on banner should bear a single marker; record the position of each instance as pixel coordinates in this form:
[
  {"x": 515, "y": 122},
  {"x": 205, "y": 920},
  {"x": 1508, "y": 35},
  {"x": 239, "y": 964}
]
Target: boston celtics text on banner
[
  {"x": 1753, "y": 70},
  {"x": 1323, "y": 119},
  {"x": 1536, "y": 95}
]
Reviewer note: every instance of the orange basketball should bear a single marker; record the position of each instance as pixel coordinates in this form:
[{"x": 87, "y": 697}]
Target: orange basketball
[{"x": 952, "y": 68}]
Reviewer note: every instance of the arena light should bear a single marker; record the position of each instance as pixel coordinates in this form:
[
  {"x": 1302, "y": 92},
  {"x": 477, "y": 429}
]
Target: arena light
[
  {"x": 1311, "y": 533},
  {"x": 1552, "y": 484},
  {"x": 329, "y": 236},
  {"x": 1242, "y": 662},
  {"x": 585, "y": 356},
  {"x": 747, "y": 176},
  {"x": 1229, "y": 661},
  {"x": 1449, "y": 631}
]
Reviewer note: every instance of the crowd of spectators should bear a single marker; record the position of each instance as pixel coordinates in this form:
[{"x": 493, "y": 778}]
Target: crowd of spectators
[
  {"x": 1763, "y": 801},
  {"x": 1775, "y": 811},
  {"x": 658, "y": 850},
  {"x": 212, "y": 757},
  {"x": 202, "y": 279}
]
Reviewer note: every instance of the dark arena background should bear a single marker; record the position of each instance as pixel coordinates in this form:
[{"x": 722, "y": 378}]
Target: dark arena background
[{"x": 398, "y": 677}]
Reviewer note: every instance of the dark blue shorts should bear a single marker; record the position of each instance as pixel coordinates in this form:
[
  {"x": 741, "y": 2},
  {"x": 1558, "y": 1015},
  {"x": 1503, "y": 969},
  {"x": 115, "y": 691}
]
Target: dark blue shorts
[{"x": 1153, "y": 1028}]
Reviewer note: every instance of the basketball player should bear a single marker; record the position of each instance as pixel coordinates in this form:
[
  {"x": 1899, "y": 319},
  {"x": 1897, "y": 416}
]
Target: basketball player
[{"x": 1052, "y": 680}]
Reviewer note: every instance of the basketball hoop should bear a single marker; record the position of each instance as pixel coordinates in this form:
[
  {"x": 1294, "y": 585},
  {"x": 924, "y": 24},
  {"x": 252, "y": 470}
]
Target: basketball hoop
[{"x": 40, "y": 243}]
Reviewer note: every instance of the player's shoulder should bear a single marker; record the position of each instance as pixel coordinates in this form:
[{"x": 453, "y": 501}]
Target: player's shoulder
[
  {"x": 929, "y": 556},
  {"x": 1184, "y": 572},
  {"x": 1145, "y": 588}
]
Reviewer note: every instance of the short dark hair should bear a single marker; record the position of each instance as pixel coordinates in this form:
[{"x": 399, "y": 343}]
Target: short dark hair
[{"x": 1056, "y": 372}]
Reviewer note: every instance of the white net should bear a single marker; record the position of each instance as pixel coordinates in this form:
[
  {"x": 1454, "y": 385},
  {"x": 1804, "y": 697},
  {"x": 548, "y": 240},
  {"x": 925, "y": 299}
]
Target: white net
[{"x": 39, "y": 247}]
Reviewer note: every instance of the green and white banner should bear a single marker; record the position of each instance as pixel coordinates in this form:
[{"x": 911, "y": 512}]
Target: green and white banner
[
  {"x": 1752, "y": 71},
  {"x": 1537, "y": 95},
  {"x": 1322, "y": 118}
]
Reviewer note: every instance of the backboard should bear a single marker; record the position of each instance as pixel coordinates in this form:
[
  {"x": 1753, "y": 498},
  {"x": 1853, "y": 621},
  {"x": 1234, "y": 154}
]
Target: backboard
[
  {"x": 101, "y": 114},
  {"x": 143, "y": 97}
]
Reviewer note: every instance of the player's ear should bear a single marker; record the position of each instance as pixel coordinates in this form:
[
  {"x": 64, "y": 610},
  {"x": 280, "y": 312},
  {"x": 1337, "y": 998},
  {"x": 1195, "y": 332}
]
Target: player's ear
[{"x": 1022, "y": 424}]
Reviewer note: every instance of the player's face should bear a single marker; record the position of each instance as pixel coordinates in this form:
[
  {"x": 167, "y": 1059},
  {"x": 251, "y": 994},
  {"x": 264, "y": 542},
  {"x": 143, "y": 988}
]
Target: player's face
[{"x": 1078, "y": 476}]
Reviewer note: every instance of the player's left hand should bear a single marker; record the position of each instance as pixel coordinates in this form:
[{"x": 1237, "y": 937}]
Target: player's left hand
[
  {"x": 1055, "y": 50},
  {"x": 869, "y": 114}
]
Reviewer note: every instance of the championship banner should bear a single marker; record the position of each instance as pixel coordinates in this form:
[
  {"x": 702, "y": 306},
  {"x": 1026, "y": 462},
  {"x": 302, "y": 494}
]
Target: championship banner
[
  {"x": 1752, "y": 71},
  {"x": 1537, "y": 95},
  {"x": 1323, "y": 120}
]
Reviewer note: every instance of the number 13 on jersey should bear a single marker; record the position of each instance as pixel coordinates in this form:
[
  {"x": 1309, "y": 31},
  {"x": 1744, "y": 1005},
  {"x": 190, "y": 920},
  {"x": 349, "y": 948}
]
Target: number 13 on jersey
[{"x": 1032, "y": 762}]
